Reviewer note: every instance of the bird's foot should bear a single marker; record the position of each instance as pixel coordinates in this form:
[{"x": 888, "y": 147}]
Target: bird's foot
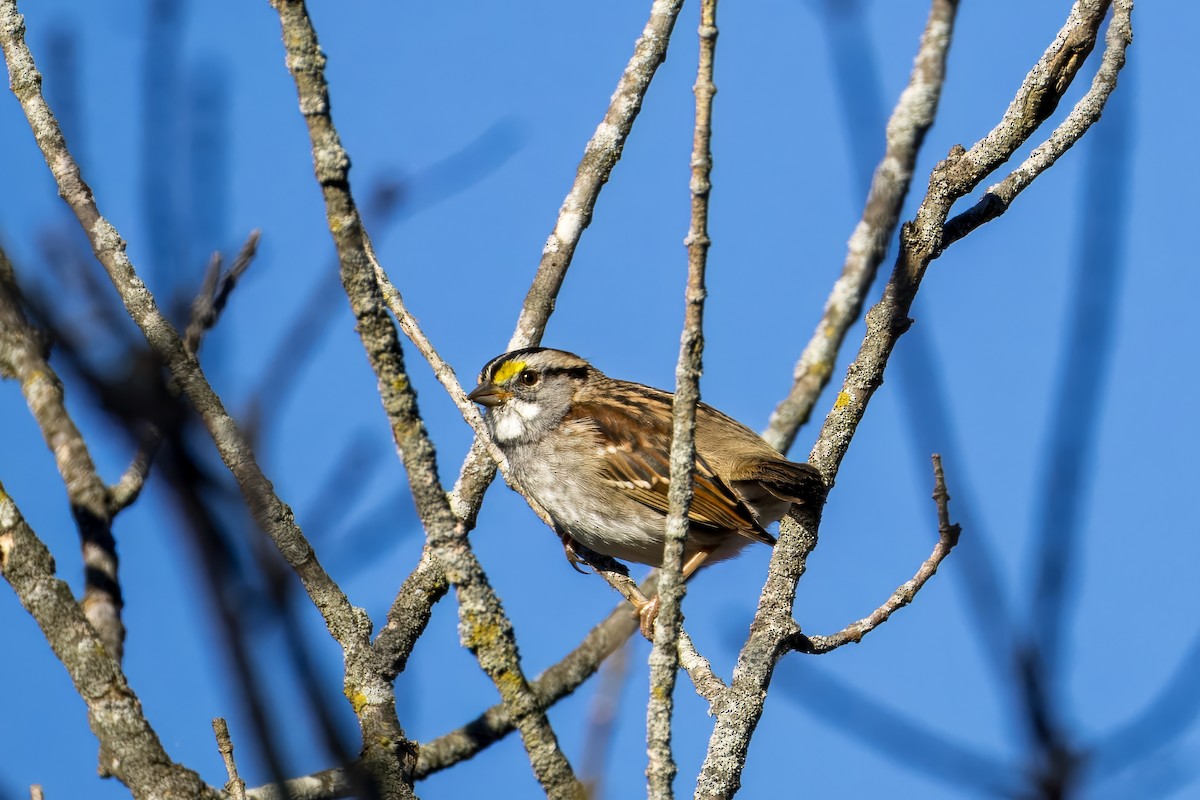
[{"x": 647, "y": 613}]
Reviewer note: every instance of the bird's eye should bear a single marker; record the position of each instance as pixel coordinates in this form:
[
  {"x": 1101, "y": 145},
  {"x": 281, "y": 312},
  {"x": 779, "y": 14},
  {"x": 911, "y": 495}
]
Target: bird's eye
[{"x": 529, "y": 377}]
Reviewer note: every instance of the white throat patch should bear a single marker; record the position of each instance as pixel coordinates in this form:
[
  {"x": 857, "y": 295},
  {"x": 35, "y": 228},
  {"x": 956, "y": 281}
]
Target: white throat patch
[{"x": 512, "y": 421}]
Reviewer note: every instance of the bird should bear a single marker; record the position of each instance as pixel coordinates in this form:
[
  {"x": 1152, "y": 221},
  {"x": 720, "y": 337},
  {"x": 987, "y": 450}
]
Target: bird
[{"x": 594, "y": 453}]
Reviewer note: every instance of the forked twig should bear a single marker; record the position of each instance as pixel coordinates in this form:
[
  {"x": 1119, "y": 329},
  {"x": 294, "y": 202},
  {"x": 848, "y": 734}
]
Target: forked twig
[{"x": 948, "y": 534}]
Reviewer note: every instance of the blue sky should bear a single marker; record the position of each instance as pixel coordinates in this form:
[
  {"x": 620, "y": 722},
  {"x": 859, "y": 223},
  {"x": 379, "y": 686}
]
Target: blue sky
[{"x": 482, "y": 111}]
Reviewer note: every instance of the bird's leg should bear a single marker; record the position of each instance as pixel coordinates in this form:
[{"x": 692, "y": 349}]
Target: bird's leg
[
  {"x": 574, "y": 556},
  {"x": 696, "y": 561},
  {"x": 648, "y": 611}
]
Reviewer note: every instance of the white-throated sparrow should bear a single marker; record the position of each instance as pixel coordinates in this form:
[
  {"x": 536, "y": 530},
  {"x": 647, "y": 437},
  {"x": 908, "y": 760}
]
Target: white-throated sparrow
[{"x": 594, "y": 452}]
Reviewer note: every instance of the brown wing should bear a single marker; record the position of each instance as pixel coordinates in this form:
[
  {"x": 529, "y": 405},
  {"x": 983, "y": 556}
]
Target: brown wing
[
  {"x": 640, "y": 463},
  {"x": 795, "y": 482}
]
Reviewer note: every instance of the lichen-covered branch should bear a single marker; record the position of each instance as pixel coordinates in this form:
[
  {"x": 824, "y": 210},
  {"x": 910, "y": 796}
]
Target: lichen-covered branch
[
  {"x": 23, "y": 355},
  {"x": 997, "y": 199},
  {"x": 129, "y": 748},
  {"x": 910, "y": 120},
  {"x": 664, "y": 656},
  {"x": 350, "y": 627},
  {"x": 600, "y": 155},
  {"x": 921, "y": 240},
  {"x": 707, "y": 684},
  {"x": 739, "y": 708},
  {"x": 551, "y": 686},
  {"x": 483, "y": 626}
]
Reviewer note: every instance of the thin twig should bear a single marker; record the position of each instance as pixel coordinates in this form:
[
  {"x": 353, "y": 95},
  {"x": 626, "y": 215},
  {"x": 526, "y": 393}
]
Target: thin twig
[
  {"x": 478, "y": 470},
  {"x": 215, "y": 291},
  {"x": 448, "y": 379},
  {"x": 664, "y": 655},
  {"x": 236, "y": 787},
  {"x": 600, "y": 155},
  {"x": 128, "y": 488},
  {"x": 948, "y": 534},
  {"x": 707, "y": 684},
  {"x": 206, "y": 310},
  {"x": 906, "y": 129}
]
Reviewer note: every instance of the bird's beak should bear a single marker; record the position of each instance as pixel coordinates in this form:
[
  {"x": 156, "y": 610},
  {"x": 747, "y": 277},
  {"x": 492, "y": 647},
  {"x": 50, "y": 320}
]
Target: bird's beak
[{"x": 488, "y": 395}]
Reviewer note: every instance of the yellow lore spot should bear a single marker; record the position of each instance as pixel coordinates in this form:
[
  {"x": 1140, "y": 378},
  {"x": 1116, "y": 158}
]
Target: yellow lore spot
[{"x": 506, "y": 371}]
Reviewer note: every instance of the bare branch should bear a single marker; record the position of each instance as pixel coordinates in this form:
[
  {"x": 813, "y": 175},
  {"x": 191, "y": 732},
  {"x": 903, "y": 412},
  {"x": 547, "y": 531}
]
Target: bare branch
[
  {"x": 739, "y": 708},
  {"x": 707, "y": 684},
  {"x": 485, "y": 629},
  {"x": 600, "y": 155},
  {"x": 551, "y": 686},
  {"x": 997, "y": 199},
  {"x": 910, "y": 120},
  {"x": 127, "y": 489},
  {"x": 129, "y": 748},
  {"x": 948, "y": 534},
  {"x": 324, "y": 785},
  {"x": 386, "y": 751},
  {"x": 206, "y": 310},
  {"x": 921, "y": 240},
  {"x": 664, "y": 656},
  {"x": 410, "y": 612},
  {"x": 23, "y": 355}
]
